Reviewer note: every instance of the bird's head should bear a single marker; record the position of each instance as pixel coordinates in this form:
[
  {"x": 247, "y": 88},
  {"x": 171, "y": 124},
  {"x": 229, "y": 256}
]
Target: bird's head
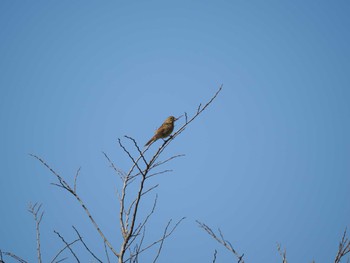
[{"x": 170, "y": 119}]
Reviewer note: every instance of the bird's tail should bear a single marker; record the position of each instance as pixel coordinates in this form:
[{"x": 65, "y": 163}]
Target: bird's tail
[{"x": 150, "y": 141}]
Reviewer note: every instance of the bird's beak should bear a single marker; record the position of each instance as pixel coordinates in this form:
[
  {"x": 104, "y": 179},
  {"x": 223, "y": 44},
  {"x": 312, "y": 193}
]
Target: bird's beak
[{"x": 178, "y": 118}]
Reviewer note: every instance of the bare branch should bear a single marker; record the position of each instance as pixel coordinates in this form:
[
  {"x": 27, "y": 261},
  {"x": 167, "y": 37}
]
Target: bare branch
[
  {"x": 59, "y": 178},
  {"x": 163, "y": 237},
  {"x": 158, "y": 173},
  {"x": 67, "y": 187},
  {"x": 199, "y": 107},
  {"x": 75, "y": 180},
  {"x": 104, "y": 244},
  {"x": 215, "y": 252},
  {"x": 118, "y": 171},
  {"x": 68, "y": 246},
  {"x": 132, "y": 158},
  {"x": 130, "y": 232},
  {"x": 12, "y": 255},
  {"x": 63, "y": 259},
  {"x": 64, "y": 248},
  {"x": 143, "y": 224},
  {"x": 81, "y": 239},
  {"x": 37, "y": 218},
  {"x": 138, "y": 247},
  {"x": 138, "y": 149},
  {"x": 167, "y": 160},
  {"x": 221, "y": 240},
  {"x": 344, "y": 248},
  {"x": 162, "y": 241},
  {"x": 283, "y": 253}
]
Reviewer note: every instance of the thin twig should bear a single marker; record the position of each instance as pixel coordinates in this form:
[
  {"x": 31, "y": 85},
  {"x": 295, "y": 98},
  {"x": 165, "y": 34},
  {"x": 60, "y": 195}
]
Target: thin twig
[
  {"x": 344, "y": 248},
  {"x": 283, "y": 253},
  {"x": 143, "y": 224},
  {"x": 158, "y": 173},
  {"x": 199, "y": 107},
  {"x": 215, "y": 252},
  {"x": 64, "y": 248},
  {"x": 221, "y": 240},
  {"x": 75, "y": 180},
  {"x": 68, "y": 246},
  {"x": 34, "y": 210},
  {"x": 164, "y": 237},
  {"x": 118, "y": 171},
  {"x": 138, "y": 148},
  {"x": 62, "y": 259},
  {"x": 167, "y": 160},
  {"x": 66, "y": 186},
  {"x": 162, "y": 241},
  {"x": 145, "y": 192},
  {"x": 14, "y": 256},
  {"x": 82, "y": 241},
  {"x": 134, "y": 213},
  {"x": 104, "y": 244},
  {"x": 132, "y": 158},
  {"x": 137, "y": 253}
]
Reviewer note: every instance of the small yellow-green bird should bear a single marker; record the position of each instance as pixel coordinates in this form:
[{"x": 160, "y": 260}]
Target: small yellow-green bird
[{"x": 163, "y": 131}]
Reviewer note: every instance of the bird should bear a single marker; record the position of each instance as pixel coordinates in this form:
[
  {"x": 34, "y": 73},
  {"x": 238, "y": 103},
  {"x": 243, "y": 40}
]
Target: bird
[{"x": 164, "y": 130}]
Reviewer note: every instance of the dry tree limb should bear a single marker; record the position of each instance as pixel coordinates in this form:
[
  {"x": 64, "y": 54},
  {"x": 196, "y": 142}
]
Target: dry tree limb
[
  {"x": 106, "y": 252},
  {"x": 344, "y": 248},
  {"x": 63, "y": 184},
  {"x": 61, "y": 260},
  {"x": 34, "y": 210},
  {"x": 61, "y": 251},
  {"x": 221, "y": 240},
  {"x": 166, "y": 234},
  {"x": 283, "y": 253},
  {"x": 86, "y": 247},
  {"x": 12, "y": 255},
  {"x": 75, "y": 180},
  {"x": 215, "y": 252},
  {"x": 67, "y": 245},
  {"x": 118, "y": 171}
]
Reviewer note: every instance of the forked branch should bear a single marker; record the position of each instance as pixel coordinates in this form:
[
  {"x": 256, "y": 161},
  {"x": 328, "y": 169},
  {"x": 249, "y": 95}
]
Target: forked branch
[
  {"x": 63, "y": 184},
  {"x": 38, "y": 216},
  {"x": 343, "y": 249},
  {"x": 221, "y": 240},
  {"x": 283, "y": 253}
]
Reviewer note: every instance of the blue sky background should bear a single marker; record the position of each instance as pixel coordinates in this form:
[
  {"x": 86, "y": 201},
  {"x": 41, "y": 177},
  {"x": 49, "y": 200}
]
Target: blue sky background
[{"x": 267, "y": 162}]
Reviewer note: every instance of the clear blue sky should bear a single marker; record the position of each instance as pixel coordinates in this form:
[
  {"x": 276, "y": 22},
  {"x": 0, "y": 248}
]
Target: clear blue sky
[{"x": 267, "y": 162}]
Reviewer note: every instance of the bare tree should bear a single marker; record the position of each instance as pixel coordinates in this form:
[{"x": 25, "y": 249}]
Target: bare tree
[
  {"x": 136, "y": 184},
  {"x": 132, "y": 226}
]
